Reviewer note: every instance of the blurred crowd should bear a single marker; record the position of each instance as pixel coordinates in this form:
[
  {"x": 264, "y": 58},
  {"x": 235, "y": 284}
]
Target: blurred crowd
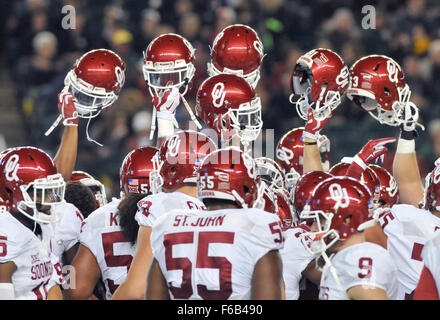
[{"x": 38, "y": 52}]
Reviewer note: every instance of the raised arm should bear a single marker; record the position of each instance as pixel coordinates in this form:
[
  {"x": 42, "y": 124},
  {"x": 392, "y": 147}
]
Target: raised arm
[
  {"x": 311, "y": 156},
  {"x": 405, "y": 168},
  {"x": 65, "y": 158}
]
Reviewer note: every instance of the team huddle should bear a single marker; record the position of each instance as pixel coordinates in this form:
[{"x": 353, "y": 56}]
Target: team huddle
[{"x": 198, "y": 217}]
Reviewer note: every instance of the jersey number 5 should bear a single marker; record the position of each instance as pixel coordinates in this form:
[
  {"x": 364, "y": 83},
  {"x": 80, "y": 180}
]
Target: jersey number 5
[{"x": 203, "y": 261}]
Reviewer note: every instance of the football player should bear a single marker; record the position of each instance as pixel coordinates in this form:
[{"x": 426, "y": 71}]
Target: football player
[
  {"x": 240, "y": 242},
  {"x": 297, "y": 261},
  {"x": 95, "y": 185},
  {"x": 356, "y": 269},
  {"x": 238, "y": 50},
  {"x": 175, "y": 174},
  {"x": 428, "y": 286},
  {"x": 31, "y": 187},
  {"x": 108, "y": 235},
  {"x": 81, "y": 197}
]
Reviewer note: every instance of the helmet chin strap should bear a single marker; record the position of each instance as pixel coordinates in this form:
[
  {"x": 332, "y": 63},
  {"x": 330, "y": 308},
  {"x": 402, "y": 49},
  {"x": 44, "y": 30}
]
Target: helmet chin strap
[{"x": 87, "y": 131}]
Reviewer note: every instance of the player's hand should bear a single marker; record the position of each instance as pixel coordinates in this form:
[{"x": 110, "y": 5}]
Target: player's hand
[
  {"x": 408, "y": 116},
  {"x": 67, "y": 109},
  {"x": 166, "y": 103},
  {"x": 313, "y": 125},
  {"x": 373, "y": 149}
]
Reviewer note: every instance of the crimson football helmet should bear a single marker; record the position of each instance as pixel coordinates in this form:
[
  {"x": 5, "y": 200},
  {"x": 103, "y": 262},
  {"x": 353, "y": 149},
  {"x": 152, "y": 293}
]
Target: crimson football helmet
[
  {"x": 289, "y": 154},
  {"x": 270, "y": 172},
  {"x": 29, "y": 182},
  {"x": 333, "y": 201},
  {"x": 168, "y": 63},
  {"x": 95, "y": 185},
  {"x": 135, "y": 172},
  {"x": 431, "y": 198},
  {"x": 229, "y": 105},
  {"x": 177, "y": 160},
  {"x": 229, "y": 174},
  {"x": 369, "y": 178},
  {"x": 285, "y": 210},
  {"x": 238, "y": 50},
  {"x": 388, "y": 192},
  {"x": 304, "y": 188},
  {"x": 320, "y": 78},
  {"x": 95, "y": 81},
  {"x": 378, "y": 86}
]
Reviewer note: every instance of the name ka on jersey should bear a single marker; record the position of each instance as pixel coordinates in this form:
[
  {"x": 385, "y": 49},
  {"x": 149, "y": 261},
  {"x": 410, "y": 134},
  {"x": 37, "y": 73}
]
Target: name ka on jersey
[
  {"x": 38, "y": 270},
  {"x": 103, "y": 236},
  {"x": 361, "y": 264},
  {"x": 212, "y": 254},
  {"x": 408, "y": 228}
]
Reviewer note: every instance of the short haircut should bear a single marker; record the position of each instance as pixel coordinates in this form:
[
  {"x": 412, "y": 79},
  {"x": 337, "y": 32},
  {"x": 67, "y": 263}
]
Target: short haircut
[{"x": 81, "y": 197}]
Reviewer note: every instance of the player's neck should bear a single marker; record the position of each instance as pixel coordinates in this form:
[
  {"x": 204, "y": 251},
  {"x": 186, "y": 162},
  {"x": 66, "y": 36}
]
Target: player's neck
[
  {"x": 436, "y": 213},
  {"x": 189, "y": 190},
  {"x": 28, "y": 223},
  {"x": 354, "y": 239}
]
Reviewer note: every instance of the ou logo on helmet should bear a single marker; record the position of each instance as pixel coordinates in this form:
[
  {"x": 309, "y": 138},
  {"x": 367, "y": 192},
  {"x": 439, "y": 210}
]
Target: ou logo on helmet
[
  {"x": 259, "y": 47},
  {"x": 11, "y": 168},
  {"x": 284, "y": 154},
  {"x": 173, "y": 146},
  {"x": 342, "y": 78},
  {"x": 218, "y": 94},
  {"x": 393, "y": 71},
  {"x": 339, "y": 195},
  {"x": 120, "y": 76}
]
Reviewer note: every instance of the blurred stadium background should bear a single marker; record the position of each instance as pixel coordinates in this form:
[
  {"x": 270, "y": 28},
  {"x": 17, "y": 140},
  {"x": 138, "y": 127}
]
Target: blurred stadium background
[{"x": 36, "y": 54}]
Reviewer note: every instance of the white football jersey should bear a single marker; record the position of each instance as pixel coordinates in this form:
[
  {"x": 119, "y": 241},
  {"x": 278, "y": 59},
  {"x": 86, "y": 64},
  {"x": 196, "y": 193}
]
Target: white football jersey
[
  {"x": 153, "y": 206},
  {"x": 408, "y": 228},
  {"x": 38, "y": 270},
  {"x": 103, "y": 236},
  {"x": 360, "y": 264},
  {"x": 295, "y": 259},
  {"x": 66, "y": 231},
  {"x": 431, "y": 256},
  {"x": 212, "y": 254}
]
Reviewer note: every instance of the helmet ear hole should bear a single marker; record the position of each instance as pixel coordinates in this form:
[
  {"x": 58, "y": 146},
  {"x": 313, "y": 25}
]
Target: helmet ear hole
[
  {"x": 386, "y": 91},
  {"x": 246, "y": 189},
  {"x": 173, "y": 170}
]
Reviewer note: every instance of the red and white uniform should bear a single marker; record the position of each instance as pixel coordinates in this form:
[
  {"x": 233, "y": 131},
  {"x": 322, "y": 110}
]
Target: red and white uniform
[
  {"x": 429, "y": 283},
  {"x": 212, "y": 254},
  {"x": 153, "y": 206},
  {"x": 38, "y": 270},
  {"x": 103, "y": 236},
  {"x": 295, "y": 259},
  {"x": 408, "y": 228},
  {"x": 3, "y": 207},
  {"x": 66, "y": 232},
  {"x": 360, "y": 264}
]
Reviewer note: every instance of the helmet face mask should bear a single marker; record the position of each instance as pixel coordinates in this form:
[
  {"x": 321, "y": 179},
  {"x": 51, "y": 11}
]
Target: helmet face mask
[
  {"x": 270, "y": 173},
  {"x": 40, "y": 196},
  {"x": 89, "y": 101},
  {"x": 246, "y": 120},
  {"x": 168, "y": 63}
]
